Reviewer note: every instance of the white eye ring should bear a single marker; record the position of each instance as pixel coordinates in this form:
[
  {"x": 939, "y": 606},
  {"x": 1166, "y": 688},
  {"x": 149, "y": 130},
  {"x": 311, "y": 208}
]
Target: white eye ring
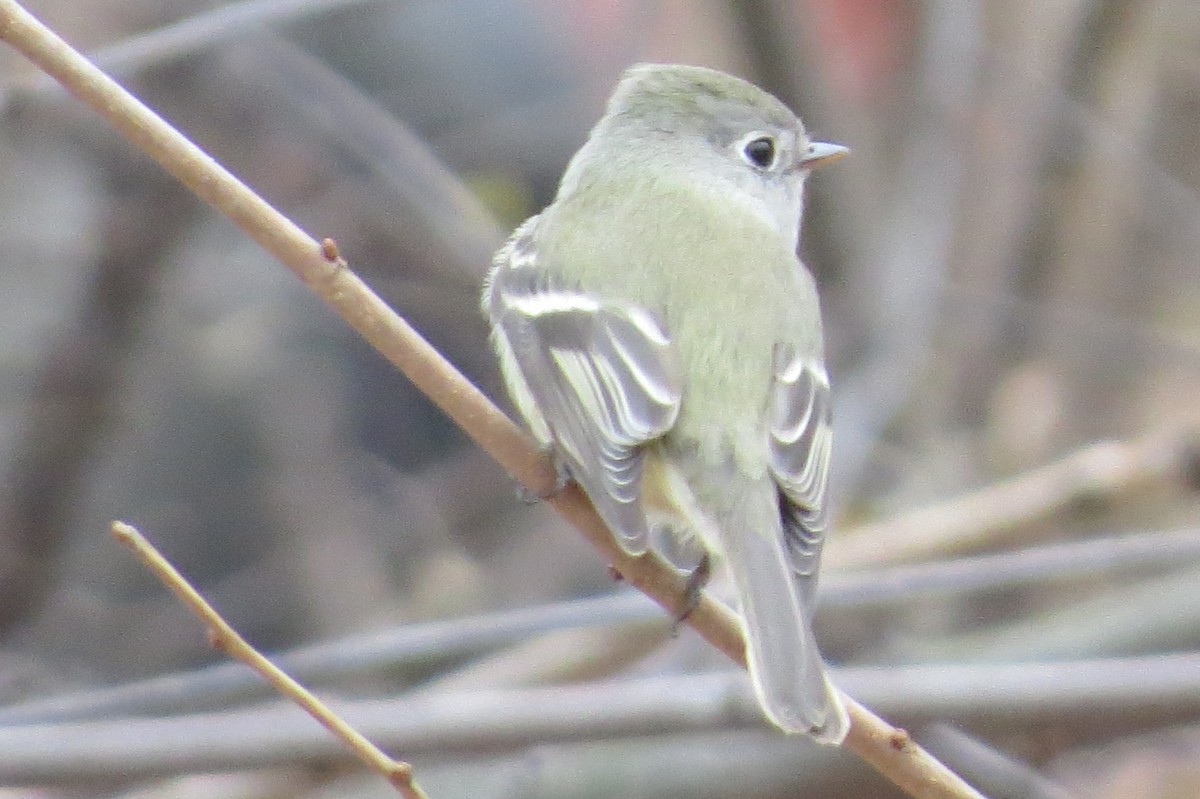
[{"x": 761, "y": 150}]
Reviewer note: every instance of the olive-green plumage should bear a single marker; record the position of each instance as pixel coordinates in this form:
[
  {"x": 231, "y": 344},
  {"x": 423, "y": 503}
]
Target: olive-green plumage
[
  {"x": 656, "y": 327},
  {"x": 700, "y": 264}
]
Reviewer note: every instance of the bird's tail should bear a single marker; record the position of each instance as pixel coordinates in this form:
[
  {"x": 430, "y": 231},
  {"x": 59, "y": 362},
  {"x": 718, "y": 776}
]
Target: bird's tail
[{"x": 785, "y": 667}]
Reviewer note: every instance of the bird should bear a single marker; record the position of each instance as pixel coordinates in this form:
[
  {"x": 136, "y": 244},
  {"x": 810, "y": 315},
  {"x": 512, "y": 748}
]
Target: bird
[{"x": 659, "y": 334}]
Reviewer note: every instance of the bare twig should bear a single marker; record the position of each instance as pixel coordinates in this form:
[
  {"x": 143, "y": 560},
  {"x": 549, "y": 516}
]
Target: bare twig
[
  {"x": 222, "y": 684},
  {"x": 1091, "y": 474},
  {"x": 226, "y": 639},
  {"x": 1110, "y": 693},
  {"x": 887, "y": 749},
  {"x": 1006, "y": 775},
  {"x": 186, "y": 36}
]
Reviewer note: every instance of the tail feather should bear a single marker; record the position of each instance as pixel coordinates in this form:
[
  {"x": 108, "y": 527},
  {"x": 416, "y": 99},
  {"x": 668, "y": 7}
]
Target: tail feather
[{"x": 786, "y": 669}]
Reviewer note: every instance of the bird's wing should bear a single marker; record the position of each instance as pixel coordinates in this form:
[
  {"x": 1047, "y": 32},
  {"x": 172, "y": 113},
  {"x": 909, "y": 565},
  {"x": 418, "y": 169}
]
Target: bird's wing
[
  {"x": 801, "y": 435},
  {"x": 603, "y": 375}
]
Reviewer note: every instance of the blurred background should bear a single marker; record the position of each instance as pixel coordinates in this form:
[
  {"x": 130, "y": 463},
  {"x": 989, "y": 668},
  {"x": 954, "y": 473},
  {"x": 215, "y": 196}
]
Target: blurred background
[{"x": 1010, "y": 281}]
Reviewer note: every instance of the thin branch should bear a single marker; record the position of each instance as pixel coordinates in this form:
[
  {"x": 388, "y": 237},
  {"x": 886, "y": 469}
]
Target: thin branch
[
  {"x": 987, "y": 765},
  {"x": 390, "y": 649},
  {"x": 1154, "y": 613},
  {"x": 221, "y": 684},
  {"x": 1110, "y": 694},
  {"x": 327, "y": 275},
  {"x": 1091, "y": 474},
  {"x": 191, "y": 34},
  {"x": 1031, "y": 566},
  {"x": 225, "y": 639}
]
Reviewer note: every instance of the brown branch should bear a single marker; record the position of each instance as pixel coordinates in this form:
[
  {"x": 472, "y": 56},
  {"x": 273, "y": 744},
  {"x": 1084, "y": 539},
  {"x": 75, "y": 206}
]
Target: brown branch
[
  {"x": 1086, "y": 476},
  {"x": 225, "y": 639},
  {"x": 886, "y": 748}
]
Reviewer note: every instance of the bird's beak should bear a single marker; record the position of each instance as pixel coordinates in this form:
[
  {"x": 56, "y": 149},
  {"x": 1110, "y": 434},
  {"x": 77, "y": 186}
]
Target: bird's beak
[{"x": 820, "y": 153}]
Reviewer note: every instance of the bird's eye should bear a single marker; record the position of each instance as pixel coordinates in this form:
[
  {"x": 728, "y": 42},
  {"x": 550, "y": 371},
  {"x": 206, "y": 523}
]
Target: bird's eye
[{"x": 760, "y": 152}]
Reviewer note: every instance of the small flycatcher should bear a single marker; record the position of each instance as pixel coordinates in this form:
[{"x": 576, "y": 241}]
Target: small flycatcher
[{"x": 657, "y": 329}]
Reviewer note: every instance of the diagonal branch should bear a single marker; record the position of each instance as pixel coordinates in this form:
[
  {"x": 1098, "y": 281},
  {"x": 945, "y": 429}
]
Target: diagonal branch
[
  {"x": 227, "y": 640},
  {"x": 322, "y": 269}
]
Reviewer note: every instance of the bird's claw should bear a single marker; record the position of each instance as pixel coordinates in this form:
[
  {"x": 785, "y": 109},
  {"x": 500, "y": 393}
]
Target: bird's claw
[
  {"x": 562, "y": 476},
  {"x": 693, "y": 590}
]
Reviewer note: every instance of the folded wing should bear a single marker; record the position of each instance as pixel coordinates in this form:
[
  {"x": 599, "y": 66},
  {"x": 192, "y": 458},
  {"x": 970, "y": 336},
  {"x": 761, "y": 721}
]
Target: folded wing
[
  {"x": 602, "y": 374},
  {"x": 800, "y": 443}
]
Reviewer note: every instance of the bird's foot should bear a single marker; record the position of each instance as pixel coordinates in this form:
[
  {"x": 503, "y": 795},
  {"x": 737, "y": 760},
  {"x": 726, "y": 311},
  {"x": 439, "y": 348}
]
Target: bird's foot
[
  {"x": 562, "y": 476},
  {"x": 692, "y": 591}
]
